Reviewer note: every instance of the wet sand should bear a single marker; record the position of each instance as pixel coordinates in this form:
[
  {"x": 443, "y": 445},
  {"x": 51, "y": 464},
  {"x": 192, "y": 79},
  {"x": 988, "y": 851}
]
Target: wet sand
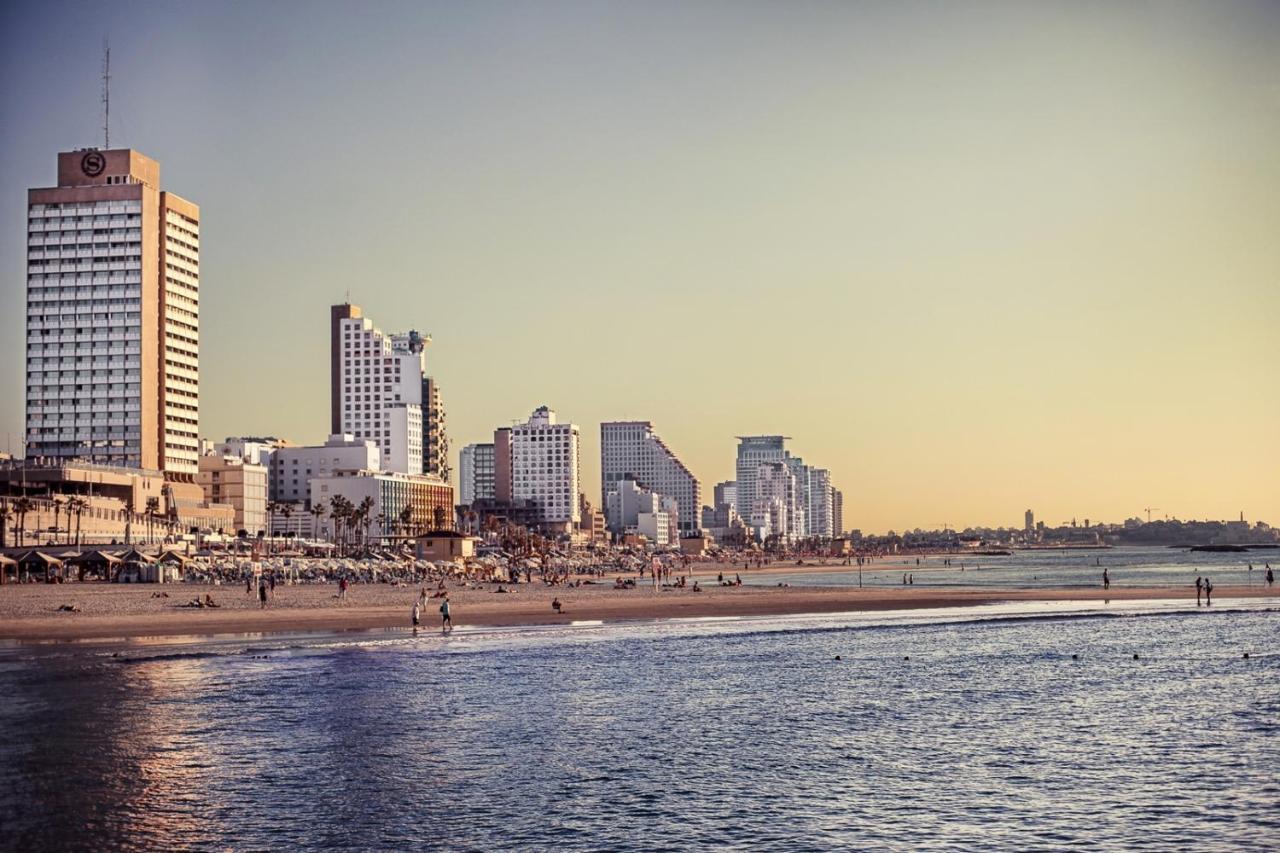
[{"x": 30, "y": 611}]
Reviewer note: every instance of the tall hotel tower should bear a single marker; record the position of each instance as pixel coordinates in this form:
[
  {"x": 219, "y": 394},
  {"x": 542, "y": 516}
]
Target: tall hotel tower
[
  {"x": 113, "y": 328},
  {"x": 379, "y": 391}
]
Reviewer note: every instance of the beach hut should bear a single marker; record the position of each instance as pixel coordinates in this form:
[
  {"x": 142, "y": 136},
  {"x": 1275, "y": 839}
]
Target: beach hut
[
  {"x": 173, "y": 565},
  {"x": 8, "y": 564},
  {"x": 99, "y": 562},
  {"x": 137, "y": 567},
  {"x": 38, "y": 561}
]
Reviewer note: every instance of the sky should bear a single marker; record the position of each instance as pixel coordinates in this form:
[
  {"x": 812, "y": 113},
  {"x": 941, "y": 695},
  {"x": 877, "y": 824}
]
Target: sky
[{"x": 972, "y": 257}]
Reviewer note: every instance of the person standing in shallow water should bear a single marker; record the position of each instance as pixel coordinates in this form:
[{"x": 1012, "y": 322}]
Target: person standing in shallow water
[
  {"x": 1271, "y": 577},
  {"x": 1199, "y": 589},
  {"x": 1106, "y": 579},
  {"x": 446, "y": 619},
  {"x": 1208, "y": 592}
]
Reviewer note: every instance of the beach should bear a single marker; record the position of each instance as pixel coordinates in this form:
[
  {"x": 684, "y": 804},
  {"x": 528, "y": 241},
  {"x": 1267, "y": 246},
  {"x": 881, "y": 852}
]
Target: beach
[{"x": 30, "y": 612}]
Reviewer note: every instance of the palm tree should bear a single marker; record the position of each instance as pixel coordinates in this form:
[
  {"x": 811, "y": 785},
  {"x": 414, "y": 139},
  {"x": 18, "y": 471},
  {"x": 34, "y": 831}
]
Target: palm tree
[
  {"x": 22, "y": 506},
  {"x": 286, "y": 509},
  {"x": 128, "y": 519},
  {"x": 77, "y": 505},
  {"x": 153, "y": 509},
  {"x": 406, "y": 519},
  {"x": 437, "y": 516},
  {"x": 57, "y": 513},
  {"x": 317, "y": 513},
  {"x": 340, "y": 510},
  {"x": 382, "y": 524},
  {"x": 364, "y": 512},
  {"x": 272, "y": 506},
  {"x": 4, "y": 519}
]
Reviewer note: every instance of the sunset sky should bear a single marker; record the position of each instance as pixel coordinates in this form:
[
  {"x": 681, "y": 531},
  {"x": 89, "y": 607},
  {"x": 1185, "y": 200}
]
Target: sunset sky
[{"x": 972, "y": 257}]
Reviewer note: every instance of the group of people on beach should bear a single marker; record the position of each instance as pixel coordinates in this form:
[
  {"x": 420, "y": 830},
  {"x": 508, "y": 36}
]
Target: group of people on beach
[
  {"x": 446, "y": 615},
  {"x": 1206, "y": 586}
]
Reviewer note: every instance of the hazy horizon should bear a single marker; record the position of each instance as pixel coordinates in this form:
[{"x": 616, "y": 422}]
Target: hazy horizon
[{"x": 972, "y": 258}]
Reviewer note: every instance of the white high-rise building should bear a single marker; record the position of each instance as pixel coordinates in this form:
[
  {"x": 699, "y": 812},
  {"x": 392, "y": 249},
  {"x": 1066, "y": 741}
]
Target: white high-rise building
[
  {"x": 818, "y": 514},
  {"x": 377, "y": 387},
  {"x": 806, "y": 503},
  {"x": 632, "y": 449},
  {"x": 752, "y": 451},
  {"x": 476, "y": 472},
  {"x": 775, "y": 512},
  {"x": 113, "y": 316},
  {"x": 544, "y": 468},
  {"x": 799, "y": 511}
]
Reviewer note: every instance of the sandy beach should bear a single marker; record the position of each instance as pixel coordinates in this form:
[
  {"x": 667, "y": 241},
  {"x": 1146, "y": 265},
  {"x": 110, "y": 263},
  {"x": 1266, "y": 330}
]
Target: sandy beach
[{"x": 30, "y": 612}]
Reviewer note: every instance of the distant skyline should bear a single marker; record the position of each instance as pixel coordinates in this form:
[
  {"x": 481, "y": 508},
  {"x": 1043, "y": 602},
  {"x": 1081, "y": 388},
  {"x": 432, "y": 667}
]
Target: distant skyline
[{"x": 973, "y": 258}]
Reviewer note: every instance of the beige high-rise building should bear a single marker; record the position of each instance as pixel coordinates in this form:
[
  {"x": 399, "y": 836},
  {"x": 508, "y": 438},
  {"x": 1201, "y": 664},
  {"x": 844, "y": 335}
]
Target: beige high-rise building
[{"x": 113, "y": 308}]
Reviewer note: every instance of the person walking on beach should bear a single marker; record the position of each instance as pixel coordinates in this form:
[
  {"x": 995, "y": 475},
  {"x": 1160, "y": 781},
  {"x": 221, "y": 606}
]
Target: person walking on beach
[
  {"x": 262, "y": 595},
  {"x": 248, "y": 585},
  {"x": 1208, "y": 592},
  {"x": 446, "y": 619},
  {"x": 415, "y": 614},
  {"x": 342, "y": 590},
  {"x": 1271, "y": 577},
  {"x": 1199, "y": 588},
  {"x": 1106, "y": 579}
]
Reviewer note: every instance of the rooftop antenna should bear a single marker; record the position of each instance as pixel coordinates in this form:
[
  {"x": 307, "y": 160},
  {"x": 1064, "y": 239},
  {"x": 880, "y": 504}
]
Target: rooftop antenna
[{"x": 106, "y": 94}]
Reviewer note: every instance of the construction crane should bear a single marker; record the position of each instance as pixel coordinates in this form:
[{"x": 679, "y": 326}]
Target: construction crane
[{"x": 1148, "y": 511}]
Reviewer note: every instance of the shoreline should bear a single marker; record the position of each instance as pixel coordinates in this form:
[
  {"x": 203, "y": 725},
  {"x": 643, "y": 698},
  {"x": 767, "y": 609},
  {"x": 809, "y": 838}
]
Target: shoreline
[{"x": 114, "y": 612}]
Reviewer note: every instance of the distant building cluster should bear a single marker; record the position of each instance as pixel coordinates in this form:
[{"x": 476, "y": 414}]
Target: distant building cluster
[
  {"x": 113, "y": 283},
  {"x": 777, "y": 495}
]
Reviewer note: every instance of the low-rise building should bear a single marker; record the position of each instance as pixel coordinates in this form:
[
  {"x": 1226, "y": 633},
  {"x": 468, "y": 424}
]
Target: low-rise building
[
  {"x": 631, "y": 508},
  {"x": 447, "y": 545},
  {"x": 242, "y": 485},
  {"x": 293, "y": 467},
  {"x": 400, "y": 504}
]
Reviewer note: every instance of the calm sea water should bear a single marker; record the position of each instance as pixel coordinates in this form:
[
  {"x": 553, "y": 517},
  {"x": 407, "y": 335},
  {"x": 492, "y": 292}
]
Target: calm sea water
[
  {"x": 958, "y": 729},
  {"x": 1127, "y": 566}
]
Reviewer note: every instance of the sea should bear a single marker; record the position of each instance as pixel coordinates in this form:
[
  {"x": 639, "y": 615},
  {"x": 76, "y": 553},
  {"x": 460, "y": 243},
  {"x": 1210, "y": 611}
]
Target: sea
[
  {"x": 1045, "y": 568},
  {"x": 1023, "y": 726}
]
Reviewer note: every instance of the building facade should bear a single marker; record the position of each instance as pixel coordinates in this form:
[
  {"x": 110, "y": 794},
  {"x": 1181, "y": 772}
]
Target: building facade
[
  {"x": 818, "y": 514},
  {"x": 380, "y": 392},
  {"x": 726, "y": 494},
  {"x": 630, "y": 508},
  {"x": 113, "y": 316},
  {"x": 476, "y": 474},
  {"x": 753, "y": 451},
  {"x": 435, "y": 435},
  {"x": 837, "y": 512},
  {"x": 429, "y": 500},
  {"x": 254, "y": 450},
  {"x": 292, "y": 468},
  {"x": 240, "y": 484},
  {"x": 545, "y": 465},
  {"x": 632, "y": 449}
]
